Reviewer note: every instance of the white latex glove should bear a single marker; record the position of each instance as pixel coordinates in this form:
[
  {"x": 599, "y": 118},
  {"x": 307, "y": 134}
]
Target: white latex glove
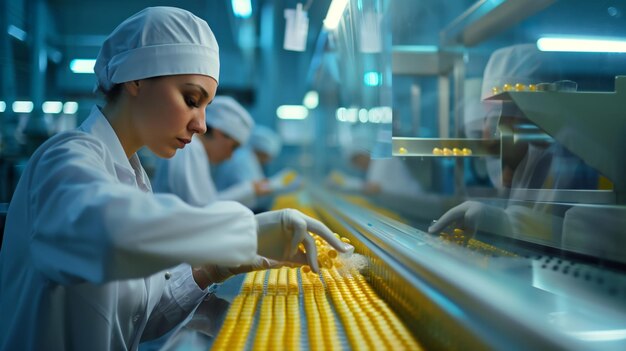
[
  {"x": 280, "y": 233},
  {"x": 343, "y": 181},
  {"x": 473, "y": 216},
  {"x": 218, "y": 274},
  {"x": 280, "y": 181}
]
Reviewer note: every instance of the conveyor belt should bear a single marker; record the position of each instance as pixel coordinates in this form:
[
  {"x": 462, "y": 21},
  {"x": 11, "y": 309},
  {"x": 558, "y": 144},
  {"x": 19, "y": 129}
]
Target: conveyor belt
[
  {"x": 294, "y": 308},
  {"x": 289, "y": 308}
]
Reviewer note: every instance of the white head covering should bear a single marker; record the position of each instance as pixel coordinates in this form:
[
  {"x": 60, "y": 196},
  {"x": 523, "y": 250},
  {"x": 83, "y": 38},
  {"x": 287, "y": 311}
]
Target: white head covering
[
  {"x": 523, "y": 64},
  {"x": 265, "y": 140},
  {"x": 157, "y": 41},
  {"x": 227, "y": 115}
]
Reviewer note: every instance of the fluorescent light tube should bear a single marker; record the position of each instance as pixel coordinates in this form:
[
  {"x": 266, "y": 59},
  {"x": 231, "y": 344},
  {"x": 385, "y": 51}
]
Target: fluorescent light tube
[
  {"x": 572, "y": 44},
  {"x": 335, "y": 12},
  {"x": 82, "y": 65},
  {"x": 292, "y": 112}
]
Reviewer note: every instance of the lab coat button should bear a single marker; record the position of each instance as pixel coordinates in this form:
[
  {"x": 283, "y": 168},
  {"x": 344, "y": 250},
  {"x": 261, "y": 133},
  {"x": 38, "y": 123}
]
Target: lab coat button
[{"x": 168, "y": 275}]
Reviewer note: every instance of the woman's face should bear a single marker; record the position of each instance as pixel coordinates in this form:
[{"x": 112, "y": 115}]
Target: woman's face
[{"x": 167, "y": 111}]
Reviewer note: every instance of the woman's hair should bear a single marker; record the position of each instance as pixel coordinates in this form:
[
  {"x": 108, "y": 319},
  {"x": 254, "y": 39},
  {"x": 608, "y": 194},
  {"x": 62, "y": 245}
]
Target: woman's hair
[{"x": 112, "y": 94}]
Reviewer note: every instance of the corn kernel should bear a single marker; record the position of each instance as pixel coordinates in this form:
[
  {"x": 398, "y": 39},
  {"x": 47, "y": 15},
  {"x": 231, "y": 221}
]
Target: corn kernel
[
  {"x": 332, "y": 254},
  {"x": 520, "y": 87},
  {"x": 457, "y": 152},
  {"x": 447, "y": 152},
  {"x": 532, "y": 87},
  {"x": 403, "y": 150},
  {"x": 466, "y": 151},
  {"x": 437, "y": 151},
  {"x": 507, "y": 87}
]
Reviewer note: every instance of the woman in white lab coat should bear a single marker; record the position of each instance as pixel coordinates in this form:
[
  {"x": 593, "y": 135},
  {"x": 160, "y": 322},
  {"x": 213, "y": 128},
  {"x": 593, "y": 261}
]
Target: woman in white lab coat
[{"x": 87, "y": 246}]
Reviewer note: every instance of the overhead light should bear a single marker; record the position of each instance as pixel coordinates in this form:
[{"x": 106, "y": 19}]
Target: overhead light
[
  {"x": 415, "y": 48},
  {"x": 340, "y": 114},
  {"x": 242, "y": 8},
  {"x": 311, "y": 100},
  {"x": 292, "y": 112},
  {"x": 335, "y": 12},
  {"x": 16, "y": 33},
  {"x": 352, "y": 114},
  {"x": 52, "y": 107},
  {"x": 372, "y": 79},
  {"x": 363, "y": 115},
  {"x": 70, "y": 107},
  {"x": 22, "y": 106},
  {"x": 3, "y": 106},
  {"x": 82, "y": 65},
  {"x": 600, "y": 335},
  {"x": 573, "y": 44}
]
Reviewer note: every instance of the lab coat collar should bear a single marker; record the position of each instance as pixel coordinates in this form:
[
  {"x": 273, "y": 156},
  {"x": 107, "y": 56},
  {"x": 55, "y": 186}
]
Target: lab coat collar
[{"x": 97, "y": 125}]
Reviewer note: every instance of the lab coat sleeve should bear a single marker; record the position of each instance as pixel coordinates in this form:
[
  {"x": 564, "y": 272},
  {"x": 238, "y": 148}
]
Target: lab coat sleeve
[
  {"x": 242, "y": 193},
  {"x": 180, "y": 298},
  {"x": 88, "y": 226}
]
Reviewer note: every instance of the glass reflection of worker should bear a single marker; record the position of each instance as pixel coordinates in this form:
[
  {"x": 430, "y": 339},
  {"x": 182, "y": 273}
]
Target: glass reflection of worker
[
  {"x": 388, "y": 176},
  {"x": 538, "y": 165}
]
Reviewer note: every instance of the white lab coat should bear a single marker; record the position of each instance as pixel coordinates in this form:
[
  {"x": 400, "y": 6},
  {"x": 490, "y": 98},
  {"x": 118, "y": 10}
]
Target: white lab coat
[
  {"x": 188, "y": 175},
  {"x": 244, "y": 166},
  {"x": 86, "y": 244}
]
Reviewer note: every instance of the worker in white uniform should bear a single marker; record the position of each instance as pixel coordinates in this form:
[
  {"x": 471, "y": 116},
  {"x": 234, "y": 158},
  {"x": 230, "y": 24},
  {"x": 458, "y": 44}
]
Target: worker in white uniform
[
  {"x": 87, "y": 246},
  {"x": 388, "y": 176},
  {"x": 188, "y": 173},
  {"x": 533, "y": 167},
  {"x": 246, "y": 167}
]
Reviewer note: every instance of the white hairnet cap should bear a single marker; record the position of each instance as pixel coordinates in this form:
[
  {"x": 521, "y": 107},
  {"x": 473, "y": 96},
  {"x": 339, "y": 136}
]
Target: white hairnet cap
[
  {"x": 227, "y": 115},
  {"x": 157, "y": 41},
  {"x": 265, "y": 140}
]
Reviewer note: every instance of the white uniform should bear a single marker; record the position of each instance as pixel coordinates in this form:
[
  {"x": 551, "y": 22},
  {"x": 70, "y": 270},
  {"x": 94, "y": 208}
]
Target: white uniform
[
  {"x": 86, "y": 245},
  {"x": 244, "y": 166},
  {"x": 188, "y": 175}
]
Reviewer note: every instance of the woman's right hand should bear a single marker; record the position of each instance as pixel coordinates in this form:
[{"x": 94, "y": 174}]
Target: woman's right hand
[{"x": 281, "y": 232}]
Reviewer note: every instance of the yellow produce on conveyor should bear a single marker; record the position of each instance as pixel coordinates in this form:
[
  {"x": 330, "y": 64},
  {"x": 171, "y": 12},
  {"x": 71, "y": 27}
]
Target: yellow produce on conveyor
[{"x": 295, "y": 308}]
